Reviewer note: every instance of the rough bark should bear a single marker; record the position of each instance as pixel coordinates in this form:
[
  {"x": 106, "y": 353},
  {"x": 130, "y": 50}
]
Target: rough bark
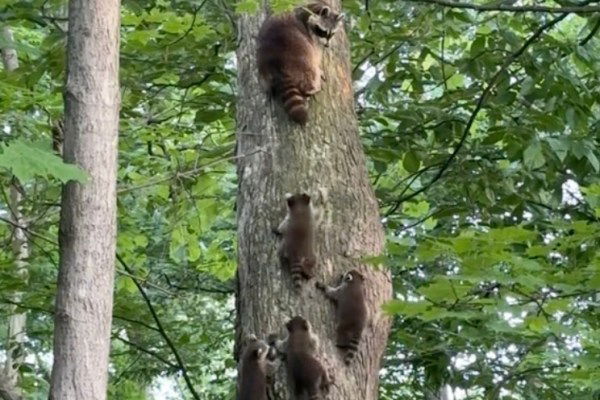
[
  {"x": 15, "y": 355},
  {"x": 326, "y": 160},
  {"x": 88, "y": 211}
]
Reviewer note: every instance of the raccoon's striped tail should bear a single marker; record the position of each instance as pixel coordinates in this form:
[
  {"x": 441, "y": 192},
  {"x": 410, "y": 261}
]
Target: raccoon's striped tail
[
  {"x": 297, "y": 271},
  {"x": 294, "y": 103},
  {"x": 350, "y": 350}
]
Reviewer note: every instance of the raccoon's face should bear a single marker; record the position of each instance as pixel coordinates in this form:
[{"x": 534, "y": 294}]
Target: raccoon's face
[
  {"x": 323, "y": 21},
  {"x": 256, "y": 349},
  {"x": 299, "y": 205},
  {"x": 354, "y": 277}
]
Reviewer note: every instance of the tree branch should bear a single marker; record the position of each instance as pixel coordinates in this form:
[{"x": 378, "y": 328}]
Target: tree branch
[
  {"x": 146, "y": 351},
  {"x": 583, "y": 9},
  {"x": 185, "y": 174},
  {"x": 180, "y": 364},
  {"x": 590, "y": 35},
  {"x": 481, "y": 101}
]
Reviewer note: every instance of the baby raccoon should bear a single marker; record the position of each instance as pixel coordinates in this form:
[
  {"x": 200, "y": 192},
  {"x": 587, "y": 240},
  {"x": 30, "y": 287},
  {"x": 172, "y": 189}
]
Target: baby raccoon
[
  {"x": 351, "y": 311},
  {"x": 296, "y": 248},
  {"x": 289, "y": 55},
  {"x": 255, "y": 367},
  {"x": 306, "y": 373}
]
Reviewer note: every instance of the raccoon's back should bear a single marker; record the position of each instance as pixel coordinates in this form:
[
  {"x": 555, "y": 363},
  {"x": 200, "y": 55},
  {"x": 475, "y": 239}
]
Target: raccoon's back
[
  {"x": 285, "y": 55},
  {"x": 282, "y": 38},
  {"x": 253, "y": 384},
  {"x": 304, "y": 368}
]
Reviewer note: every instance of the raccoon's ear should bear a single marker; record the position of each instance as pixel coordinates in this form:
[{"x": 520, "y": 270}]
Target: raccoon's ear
[
  {"x": 291, "y": 201},
  {"x": 324, "y": 11}
]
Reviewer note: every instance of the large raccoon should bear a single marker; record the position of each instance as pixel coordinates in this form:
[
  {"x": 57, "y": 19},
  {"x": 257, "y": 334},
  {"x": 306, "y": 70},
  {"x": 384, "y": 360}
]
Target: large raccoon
[
  {"x": 289, "y": 55},
  {"x": 254, "y": 370},
  {"x": 351, "y": 312},
  {"x": 296, "y": 248},
  {"x": 306, "y": 373}
]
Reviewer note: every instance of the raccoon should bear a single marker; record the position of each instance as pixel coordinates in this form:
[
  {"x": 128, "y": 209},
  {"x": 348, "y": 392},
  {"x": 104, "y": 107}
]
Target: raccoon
[
  {"x": 296, "y": 248},
  {"x": 307, "y": 375},
  {"x": 255, "y": 367},
  {"x": 351, "y": 312},
  {"x": 289, "y": 55}
]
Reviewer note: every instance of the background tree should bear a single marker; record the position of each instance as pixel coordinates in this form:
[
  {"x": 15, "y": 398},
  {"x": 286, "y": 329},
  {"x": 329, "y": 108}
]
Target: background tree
[
  {"x": 83, "y": 310},
  {"x": 15, "y": 352}
]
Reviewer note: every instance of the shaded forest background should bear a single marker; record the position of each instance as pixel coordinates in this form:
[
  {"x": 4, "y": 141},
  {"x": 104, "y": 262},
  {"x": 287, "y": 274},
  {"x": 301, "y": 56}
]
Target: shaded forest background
[{"x": 481, "y": 129}]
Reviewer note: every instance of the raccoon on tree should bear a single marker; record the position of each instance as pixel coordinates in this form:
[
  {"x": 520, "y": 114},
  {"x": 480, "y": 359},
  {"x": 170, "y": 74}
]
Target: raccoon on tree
[
  {"x": 254, "y": 370},
  {"x": 289, "y": 55},
  {"x": 307, "y": 376},
  {"x": 351, "y": 311},
  {"x": 296, "y": 250}
]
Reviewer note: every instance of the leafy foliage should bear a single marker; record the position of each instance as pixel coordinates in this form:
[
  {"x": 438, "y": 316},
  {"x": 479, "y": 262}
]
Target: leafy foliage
[
  {"x": 492, "y": 226},
  {"x": 26, "y": 160}
]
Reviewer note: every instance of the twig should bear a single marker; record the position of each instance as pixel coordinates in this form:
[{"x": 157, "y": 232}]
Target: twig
[
  {"x": 584, "y": 9},
  {"x": 189, "y": 30},
  {"x": 480, "y": 102},
  {"x": 144, "y": 350},
  {"x": 186, "y": 173},
  {"x": 180, "y": 364},
  {"x": 590, "y": 35}
]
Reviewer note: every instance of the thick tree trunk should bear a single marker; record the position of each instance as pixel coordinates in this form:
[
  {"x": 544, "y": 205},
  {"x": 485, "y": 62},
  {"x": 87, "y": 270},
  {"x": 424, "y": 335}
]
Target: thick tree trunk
[
  {"x": 15, "y": 352},
  {"x": 326, "y": 160},
  {"x": 88, "y": 213}
]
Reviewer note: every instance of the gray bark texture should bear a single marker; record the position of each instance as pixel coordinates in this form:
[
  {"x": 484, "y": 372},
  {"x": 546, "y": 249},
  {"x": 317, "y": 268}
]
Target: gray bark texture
[
  {"x": 324, "y": 159},
  {"x": 88, "y": 212},
  {"x": 15, "y": 339}
]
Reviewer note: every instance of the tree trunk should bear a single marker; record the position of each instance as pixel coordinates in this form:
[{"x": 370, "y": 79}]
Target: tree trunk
[
  {"x": 15, "y": 352},
  {"x": 88, "y": 213},
  {"x": 326, "y": 160}
]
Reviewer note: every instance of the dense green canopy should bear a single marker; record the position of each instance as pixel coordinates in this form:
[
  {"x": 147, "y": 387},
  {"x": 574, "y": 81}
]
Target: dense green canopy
[{"x": 482, "y": 133}]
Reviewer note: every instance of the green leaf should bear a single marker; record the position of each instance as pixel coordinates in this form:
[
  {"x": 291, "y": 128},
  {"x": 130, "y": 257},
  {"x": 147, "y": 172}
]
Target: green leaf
[
  {"x": 533, "y": 157},
  {"x": 247, "y": 6},
  {"x": 455, "y": 81},
  {"x": 26, "y": 160},
  {"x": 411, "y": 162}
]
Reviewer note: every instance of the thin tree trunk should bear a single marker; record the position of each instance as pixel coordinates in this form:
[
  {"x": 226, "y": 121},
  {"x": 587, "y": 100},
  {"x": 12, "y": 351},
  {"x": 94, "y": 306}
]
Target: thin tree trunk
[
  {"x": 15, "y": 354},
  {"x": 326, "y": 160},
  {"x": 88, "y": 212}
]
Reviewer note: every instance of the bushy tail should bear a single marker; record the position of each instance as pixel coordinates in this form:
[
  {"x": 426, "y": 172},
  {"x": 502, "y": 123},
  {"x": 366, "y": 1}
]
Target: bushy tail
[
  {"x": 294, "y": 103},
  {"x": 297, "y": 271},
  {"x": 350, "y": 350}
]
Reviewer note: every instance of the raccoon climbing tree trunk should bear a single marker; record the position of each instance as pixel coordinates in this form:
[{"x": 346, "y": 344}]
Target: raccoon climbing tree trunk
[
  {"x": 324, "y": 159},
  {"x": 87, "y": 237}
]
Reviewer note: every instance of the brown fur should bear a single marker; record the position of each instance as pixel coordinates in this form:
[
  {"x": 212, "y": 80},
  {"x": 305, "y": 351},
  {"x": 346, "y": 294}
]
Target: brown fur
[
  {"x": 351, "y": 312},
  {"x": 296, "y": 250},
  {"x": 254, "y": 371},
  {"x": 305, "y": 371},
  {"x": 289, "y": 55}
]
